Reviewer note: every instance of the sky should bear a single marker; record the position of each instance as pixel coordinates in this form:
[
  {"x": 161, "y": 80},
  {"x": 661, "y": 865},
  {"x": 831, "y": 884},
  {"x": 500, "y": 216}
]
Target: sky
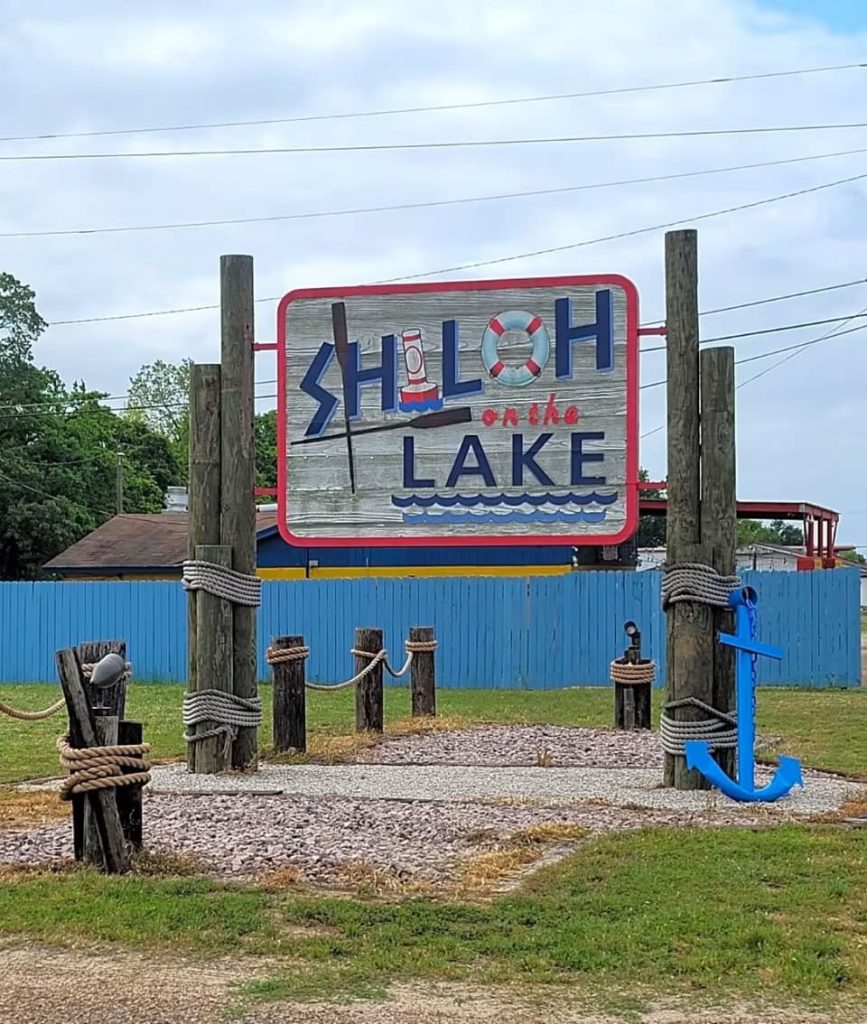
[{"x": 106, "y": 67}]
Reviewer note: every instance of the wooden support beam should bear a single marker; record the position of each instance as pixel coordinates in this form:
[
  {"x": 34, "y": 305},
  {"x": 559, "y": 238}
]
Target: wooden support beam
[
  {"x": 214, "y": 647},
  {"x": 422, "y": 674},
  {"x": 290, "y": 698},
  {"x": 719, "y": 525},
  {"x": 238, "y": 502},
  {"x": 82, "y": 733},
  {"x": 368, "y": 692},
  {"x": 129, "y": 798},
  {"x": 203, "y": 523},
  {"x": 690, "y": 636},
  {"x": 105, "y": 728}
]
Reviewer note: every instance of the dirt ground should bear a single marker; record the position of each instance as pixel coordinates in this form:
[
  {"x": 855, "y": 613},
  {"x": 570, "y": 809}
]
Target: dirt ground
[{"x": 46, "y": 985}]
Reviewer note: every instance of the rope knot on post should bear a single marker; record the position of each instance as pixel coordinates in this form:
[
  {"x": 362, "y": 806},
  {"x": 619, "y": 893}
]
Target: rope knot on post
[
  {"x": 229, "y": 711},
  {"x": 91, "y": 768},
  {"x": 698, "y": 583},
  {"x": 275, "y": 656},
  {"x": 719, "y": 730},
  {"x": 219, "y": 581}
]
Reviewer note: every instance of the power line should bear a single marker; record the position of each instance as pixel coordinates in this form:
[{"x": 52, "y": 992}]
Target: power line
[
  {"x": 769, "y": 330},
  {"x": 503, "y": 259},
  {"x": 773, "y": 298},
  {"x": 833, "y": 333},
  {"x": 828, "y": 336},
  {"x": 379, "y": 147},
  {"x": 428, "y": 204},
  {"x": 627, "y": 234},
  {"x": 477, "y": 104},
  {"x": 276, "y": 298}
]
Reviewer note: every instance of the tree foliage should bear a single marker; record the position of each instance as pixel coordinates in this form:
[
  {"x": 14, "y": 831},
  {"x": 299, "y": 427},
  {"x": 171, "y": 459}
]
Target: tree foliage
[
  {"x": 752, "y": 531},
  {"x": 58, "y": 450}
]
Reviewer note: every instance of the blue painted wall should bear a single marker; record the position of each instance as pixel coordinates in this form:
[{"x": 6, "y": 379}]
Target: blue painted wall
[{"x": 542, "y": 632}]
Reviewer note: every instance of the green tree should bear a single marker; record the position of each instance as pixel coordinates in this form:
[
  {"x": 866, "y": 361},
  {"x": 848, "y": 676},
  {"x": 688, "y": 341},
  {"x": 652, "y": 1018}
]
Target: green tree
[
  {"x": 751, "y": 531},
  {"x": 58, "y": 450},
  {"x": 852, "y": 555},
  {"x": 651, "y": 529},
  {"x": 159, "y": 396}
]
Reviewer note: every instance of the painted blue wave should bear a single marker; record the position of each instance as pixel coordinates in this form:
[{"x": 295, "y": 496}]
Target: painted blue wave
[
  {"x": 461, "y": 518},
  {"x": 493, "y": 500}
]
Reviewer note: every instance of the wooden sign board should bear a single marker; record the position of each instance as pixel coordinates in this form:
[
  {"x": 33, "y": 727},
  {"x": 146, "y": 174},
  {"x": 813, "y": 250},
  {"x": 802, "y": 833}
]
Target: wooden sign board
[{"x": 487, "y": 412}]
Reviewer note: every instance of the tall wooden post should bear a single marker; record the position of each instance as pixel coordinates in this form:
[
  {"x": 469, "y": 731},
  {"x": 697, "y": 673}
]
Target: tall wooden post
[
  {"x": 203, "y": 522},
  {"x": 237, "y": 500},
  {"x": 105, "y": 730},
  {"x": 368, "y": 692},
  {"x": 719, "y": 513},
  {"x": 290, "y": 703},
  {"x": 690, "y": 634},
  {"x": 422, "y": 674},
  {"x": 214, "y": 651}
]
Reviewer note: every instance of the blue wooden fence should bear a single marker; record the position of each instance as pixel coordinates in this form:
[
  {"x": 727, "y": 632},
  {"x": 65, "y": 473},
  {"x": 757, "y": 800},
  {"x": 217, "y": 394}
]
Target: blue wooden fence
[{"x": 540, "y": 632}]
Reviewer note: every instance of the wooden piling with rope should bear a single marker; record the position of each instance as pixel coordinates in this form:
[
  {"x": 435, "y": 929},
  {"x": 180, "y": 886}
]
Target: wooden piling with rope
[
  {"x": 287, "y": 656},
  {"x": 369, "y": 689},
  {"x": 422, "y": 647}
]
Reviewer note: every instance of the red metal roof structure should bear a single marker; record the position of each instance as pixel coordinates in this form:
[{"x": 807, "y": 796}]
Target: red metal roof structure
[{"x": 819, "y": 523}]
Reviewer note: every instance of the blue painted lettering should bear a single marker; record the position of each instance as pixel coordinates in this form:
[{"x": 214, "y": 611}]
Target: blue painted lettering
[{"x": 567, "y": 334}]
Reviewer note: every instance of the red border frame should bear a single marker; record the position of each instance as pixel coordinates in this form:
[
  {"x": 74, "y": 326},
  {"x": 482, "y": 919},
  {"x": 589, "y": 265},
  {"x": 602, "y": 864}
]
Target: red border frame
[{"x": 491, "y": 540}]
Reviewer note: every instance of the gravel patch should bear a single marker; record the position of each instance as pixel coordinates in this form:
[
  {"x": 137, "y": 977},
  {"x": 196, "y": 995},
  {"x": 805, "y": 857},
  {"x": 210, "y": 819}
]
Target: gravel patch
[
  {"x": 428, "y": 804},
  {"x": 324, "y": 838},
  {"x": 623, "y": 787},
  {"x": 519, "y": 746}
]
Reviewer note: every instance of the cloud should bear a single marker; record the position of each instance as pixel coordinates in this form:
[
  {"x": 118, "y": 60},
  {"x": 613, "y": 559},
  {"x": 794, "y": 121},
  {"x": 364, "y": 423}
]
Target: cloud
[{"x": 111, "y": 68}]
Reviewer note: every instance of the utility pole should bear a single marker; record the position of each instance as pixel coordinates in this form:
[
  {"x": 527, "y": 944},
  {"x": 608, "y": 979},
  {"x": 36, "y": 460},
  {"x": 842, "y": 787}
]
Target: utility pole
[
  {"x": 238, "y": 475},
  {"x": 690, "y": 658},
  {"x": 119, "y": 482}
]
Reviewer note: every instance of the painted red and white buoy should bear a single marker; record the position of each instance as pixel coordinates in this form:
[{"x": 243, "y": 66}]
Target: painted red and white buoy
[{"x": 419, "y": 393}]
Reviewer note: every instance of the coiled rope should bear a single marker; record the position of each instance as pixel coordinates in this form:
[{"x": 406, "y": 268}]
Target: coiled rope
[
  {"x": 412, "y": 647},
  {"x": 632, "y": 674},
  {"x": 720, "y": 730},
  {"x": 237, "y": 587},
  {"x": 228, "y": 710},
  {"x": 698, "y": 583},
  {"x": 92, "y": 768}
]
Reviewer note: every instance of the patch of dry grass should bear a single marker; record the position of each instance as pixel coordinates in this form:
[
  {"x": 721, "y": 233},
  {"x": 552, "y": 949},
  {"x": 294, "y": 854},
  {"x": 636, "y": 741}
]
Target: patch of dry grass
[
  {"x": 166, "y": 864},
  {"x": 30, "y": 808},
  {"x": 480, "y": 876},
  {"x": 326, "y": 748}
]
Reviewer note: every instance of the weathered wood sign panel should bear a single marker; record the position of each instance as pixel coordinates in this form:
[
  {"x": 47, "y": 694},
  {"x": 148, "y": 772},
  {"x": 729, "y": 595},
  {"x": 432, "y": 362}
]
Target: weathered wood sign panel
[{"x": 499, "y": 412}]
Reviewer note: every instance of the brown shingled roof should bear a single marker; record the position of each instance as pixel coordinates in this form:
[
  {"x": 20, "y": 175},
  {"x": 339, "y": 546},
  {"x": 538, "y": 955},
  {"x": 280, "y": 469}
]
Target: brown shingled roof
[{"x": 135, "y": 543}]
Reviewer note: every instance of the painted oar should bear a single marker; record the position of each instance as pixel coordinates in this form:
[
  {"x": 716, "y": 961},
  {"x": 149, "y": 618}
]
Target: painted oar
[
  {"x": 444, "y": 418},
  {"x": 341, "y": 344}
]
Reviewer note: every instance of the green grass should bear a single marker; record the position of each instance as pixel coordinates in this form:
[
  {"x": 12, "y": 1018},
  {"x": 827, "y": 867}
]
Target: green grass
[
  {"x": 779, "y": 914},
  {"x": 824, "y": 727}
]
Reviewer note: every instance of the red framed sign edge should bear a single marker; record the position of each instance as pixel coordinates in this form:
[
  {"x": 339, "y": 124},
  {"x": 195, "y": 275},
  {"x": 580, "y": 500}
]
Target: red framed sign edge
[{"x": 488, "y": 540}]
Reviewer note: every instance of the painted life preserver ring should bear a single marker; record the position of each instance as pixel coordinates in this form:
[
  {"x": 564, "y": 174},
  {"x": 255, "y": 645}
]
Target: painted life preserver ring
[{"x": 516, "y": 320}]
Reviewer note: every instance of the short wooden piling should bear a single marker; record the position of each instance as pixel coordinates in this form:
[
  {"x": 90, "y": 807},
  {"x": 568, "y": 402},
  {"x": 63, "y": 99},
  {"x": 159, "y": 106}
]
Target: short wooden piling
[
  {"x": 83, "y": 733},
  {"x": 369, "y": 691},
  {"x": 290, "y": 697},
  {"x": 423, "y": 674}
]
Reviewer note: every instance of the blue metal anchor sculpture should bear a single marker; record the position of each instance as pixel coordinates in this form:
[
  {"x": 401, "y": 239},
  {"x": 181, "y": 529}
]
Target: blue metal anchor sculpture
[{"x": 698, "y": 753}]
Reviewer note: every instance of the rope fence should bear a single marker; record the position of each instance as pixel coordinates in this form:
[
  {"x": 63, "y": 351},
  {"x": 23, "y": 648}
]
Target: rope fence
[
  {"x": 412, "y": 647},
  {"x": 31, "y": 716}
]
